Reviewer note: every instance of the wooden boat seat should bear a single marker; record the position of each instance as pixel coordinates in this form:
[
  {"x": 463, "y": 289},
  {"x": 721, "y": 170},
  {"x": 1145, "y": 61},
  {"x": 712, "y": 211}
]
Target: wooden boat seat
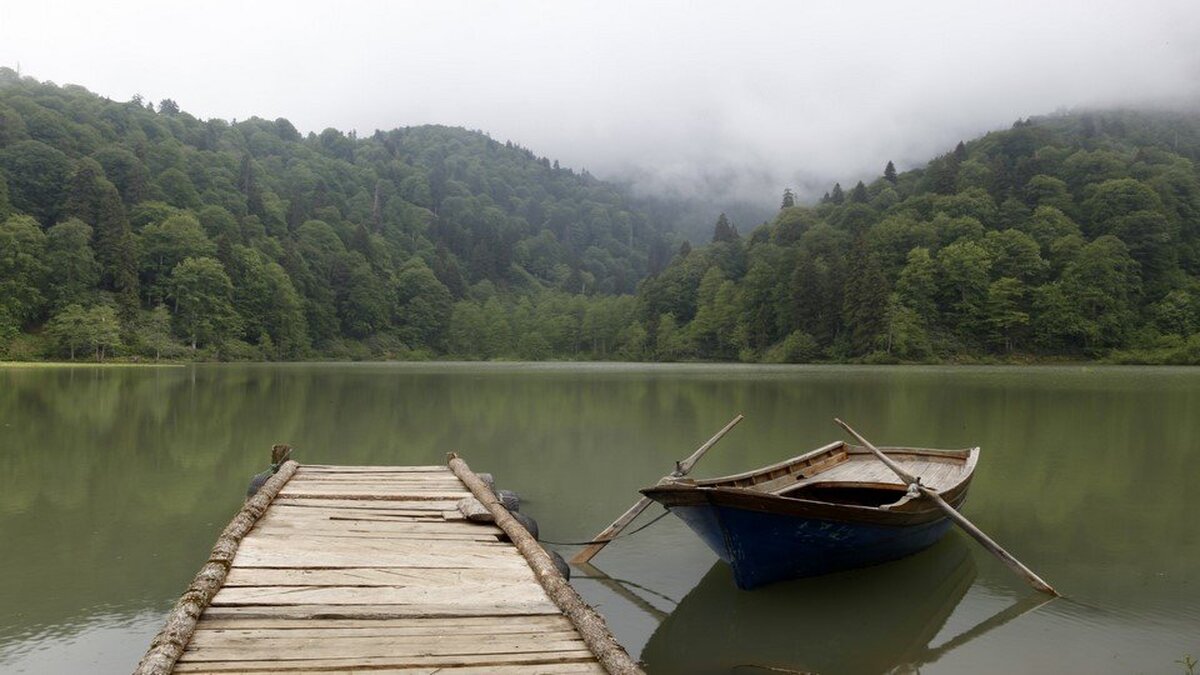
[{"x": 935, "y": 472}]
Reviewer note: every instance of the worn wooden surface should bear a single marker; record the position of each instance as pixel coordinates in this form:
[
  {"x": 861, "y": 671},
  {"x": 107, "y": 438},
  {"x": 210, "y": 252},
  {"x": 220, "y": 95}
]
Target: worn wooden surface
[{"x": 374, "y": 568}]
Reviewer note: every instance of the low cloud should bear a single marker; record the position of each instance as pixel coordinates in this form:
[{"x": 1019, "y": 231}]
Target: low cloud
[{"x": 712, "y": 98}]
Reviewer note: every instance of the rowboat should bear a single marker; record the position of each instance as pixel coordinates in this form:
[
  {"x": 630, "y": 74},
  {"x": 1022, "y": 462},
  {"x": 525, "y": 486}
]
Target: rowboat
[{"x": 835, "y": 508}]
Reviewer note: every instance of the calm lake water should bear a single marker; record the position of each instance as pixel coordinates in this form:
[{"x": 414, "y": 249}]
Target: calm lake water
[{"x": 114, "y": 483}]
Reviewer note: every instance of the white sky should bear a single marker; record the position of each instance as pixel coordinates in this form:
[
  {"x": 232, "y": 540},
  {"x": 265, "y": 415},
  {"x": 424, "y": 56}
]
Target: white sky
[{"x": 747, "y": 96}]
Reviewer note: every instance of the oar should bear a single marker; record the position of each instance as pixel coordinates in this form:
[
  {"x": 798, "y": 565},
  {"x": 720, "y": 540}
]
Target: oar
[
  {"x": 681, "y": 469},
  {"x": 1016, "y": 565}
]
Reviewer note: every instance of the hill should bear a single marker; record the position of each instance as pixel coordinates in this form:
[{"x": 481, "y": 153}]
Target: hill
[
  {"x": 250, "y": 240},
  {"x": 1070, "y": 236}
]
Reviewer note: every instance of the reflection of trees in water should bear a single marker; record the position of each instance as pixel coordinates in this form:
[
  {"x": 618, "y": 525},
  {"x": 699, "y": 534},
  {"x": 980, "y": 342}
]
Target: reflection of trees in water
[{"x": 129, "y": 473}]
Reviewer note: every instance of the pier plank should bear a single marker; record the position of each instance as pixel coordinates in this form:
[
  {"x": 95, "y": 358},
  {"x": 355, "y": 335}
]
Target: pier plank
[
  {"x": 374, "y": 576},
  {"x": 377, "y": 611},
  {"x": 527, "y": 659},
  {"x": 463, "y": 594}
]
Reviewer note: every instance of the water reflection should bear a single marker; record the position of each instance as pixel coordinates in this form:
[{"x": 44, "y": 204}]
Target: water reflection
[
  {"x": 862, "y": 621},
  {"x": 114, "y": 483}
]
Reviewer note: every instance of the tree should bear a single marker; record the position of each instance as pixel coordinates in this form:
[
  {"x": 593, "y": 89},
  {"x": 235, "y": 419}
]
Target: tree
[
  {"x": 889, "y": 173},
  {"x": 723, "y": 231},
  {"x": 1113, "y": 199},
  {"x": 69, "y": 330},
  {"x": 1043, "y": 190},
  {"x": 916, "y": 288},
  {"x": 423, "y": 306},
  {"x": 104, "y": 330},
  {"x": 859, "y": 194},
  {"x": 1104, "y": 284},
  {"x": 164, "y": 245},
  {"x": 22, "y": 270},
  {"x": 905, "y": 334},
  {"x": 202, "y": 292},
  {"x": 96, "y": 202},
  {"x": 865, "y": 302},
  {"x": 154, "y": 331},
  {"x": 36, "y": 175},
  {"x": 963, "y": 280},
  {"x": 72, "y": 264},
  {"x": 1016, "y": 255},
  {"x": 1005, "y": 318},
  {"x": 713, "y": 328},
  {"x": 836, "y": 196},
  {"x": 789, "y": 199}
]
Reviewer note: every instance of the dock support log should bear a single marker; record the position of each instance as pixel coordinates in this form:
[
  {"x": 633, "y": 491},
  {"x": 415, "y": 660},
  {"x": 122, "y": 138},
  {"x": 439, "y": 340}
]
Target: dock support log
[
  {"x": 590, "y": 625},
  {"x": 168, "y": 645}
]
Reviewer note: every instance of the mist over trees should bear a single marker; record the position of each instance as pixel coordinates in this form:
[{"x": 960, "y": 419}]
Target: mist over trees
[
  {"x": 136, "y": 230},
  {"x": 1072, "y": 236}
]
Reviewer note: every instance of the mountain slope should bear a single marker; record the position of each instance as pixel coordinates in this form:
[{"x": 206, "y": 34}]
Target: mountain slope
[
  {"x": 340, "y": 238},
  {"x": 1074, "y": 235}
]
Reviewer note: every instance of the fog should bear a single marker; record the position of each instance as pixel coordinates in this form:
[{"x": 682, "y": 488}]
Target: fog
[{"x": 734, "y": 100}]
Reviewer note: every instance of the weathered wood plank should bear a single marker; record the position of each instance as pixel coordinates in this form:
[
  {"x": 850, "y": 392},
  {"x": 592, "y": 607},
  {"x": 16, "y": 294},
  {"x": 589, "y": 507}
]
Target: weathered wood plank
[
  {"x": 565, "y": 668},
  {"x": 334, "y": 492},
  {"x": 316, "y": 551},
  {"x": 458, "y": 624},
  {"x": 351, "y": 468},
  {"x": 528, "y": 658},
  {"x": 376, "y": 611},
  {"x": 429, "y": 578},
  {"x": 359, "y": 649},
  {"x": 401, "y": 528},
  {"x": 353, "y": 517},
  {"x": 462, "y": 594},
  {"x": 487, "y": 632},
  {"x": 356, "y": 507}
]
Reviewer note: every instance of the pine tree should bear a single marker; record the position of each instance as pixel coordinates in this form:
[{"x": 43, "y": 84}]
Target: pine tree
[
  {"x": 864, "y": 307},
  {"x": 960, "y": 152},
  {"x": 837, "y": 196},
  {"x": 859, "y": 194},
  {"x": 723, "y": 231},
  {"x": 889, "y": 172},
  {"x": 789, "y": 199},
  {"x": 94, "y": 200}
]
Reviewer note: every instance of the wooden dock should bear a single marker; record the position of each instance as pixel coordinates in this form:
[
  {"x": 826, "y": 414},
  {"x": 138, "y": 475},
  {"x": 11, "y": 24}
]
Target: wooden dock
[{"x": 356, "y": 568}]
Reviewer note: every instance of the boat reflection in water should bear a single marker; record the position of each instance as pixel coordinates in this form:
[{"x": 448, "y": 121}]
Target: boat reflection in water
[{"x": 867, "y": 620}]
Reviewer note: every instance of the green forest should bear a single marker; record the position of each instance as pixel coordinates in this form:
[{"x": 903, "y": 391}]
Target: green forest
[{"x": 133, "y": 230}]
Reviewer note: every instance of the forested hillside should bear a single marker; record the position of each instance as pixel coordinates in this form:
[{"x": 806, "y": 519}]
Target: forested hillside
[
  {"x": 140, "y": 230},
  {"x": 1068, "y": 236}
]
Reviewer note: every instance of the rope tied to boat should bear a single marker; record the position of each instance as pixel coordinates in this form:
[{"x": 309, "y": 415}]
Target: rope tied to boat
[{"x": 632, "y": 532}]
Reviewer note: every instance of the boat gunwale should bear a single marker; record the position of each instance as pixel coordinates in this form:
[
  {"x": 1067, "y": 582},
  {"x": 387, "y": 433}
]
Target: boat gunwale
[
  {"x": 970, "y": 457},
  {"x": 764, "y": 502},
  {"x": 905, "y": 512}
]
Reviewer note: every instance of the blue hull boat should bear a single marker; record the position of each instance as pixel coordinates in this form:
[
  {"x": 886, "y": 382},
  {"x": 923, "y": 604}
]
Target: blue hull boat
[{"x": 835, "y": 508}]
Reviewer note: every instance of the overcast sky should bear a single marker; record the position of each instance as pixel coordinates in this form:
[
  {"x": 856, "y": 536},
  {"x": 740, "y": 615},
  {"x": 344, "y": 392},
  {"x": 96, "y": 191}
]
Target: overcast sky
[{"x": 751, "y": 96}]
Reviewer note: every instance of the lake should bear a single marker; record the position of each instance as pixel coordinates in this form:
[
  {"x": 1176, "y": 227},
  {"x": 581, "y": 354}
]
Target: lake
[{"x": 115, "y": 481}]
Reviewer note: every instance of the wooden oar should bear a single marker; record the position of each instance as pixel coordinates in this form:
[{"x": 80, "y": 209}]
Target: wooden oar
[
  {"x": 1016, "y": 565},
  {"x": 681, "y": 469}
]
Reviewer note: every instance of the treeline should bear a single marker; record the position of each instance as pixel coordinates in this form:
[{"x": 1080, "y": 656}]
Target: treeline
[
  {"x": 139, "y": 230},
  {"x": 1073, "y": 236}
]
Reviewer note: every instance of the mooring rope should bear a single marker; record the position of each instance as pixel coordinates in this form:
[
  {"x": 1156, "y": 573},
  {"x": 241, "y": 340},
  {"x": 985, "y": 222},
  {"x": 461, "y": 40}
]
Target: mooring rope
[{"x": 607, "y": 541}]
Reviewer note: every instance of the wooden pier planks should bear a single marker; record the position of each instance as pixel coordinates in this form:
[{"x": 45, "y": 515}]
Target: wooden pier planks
[{"x": 373, "y": 569}]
